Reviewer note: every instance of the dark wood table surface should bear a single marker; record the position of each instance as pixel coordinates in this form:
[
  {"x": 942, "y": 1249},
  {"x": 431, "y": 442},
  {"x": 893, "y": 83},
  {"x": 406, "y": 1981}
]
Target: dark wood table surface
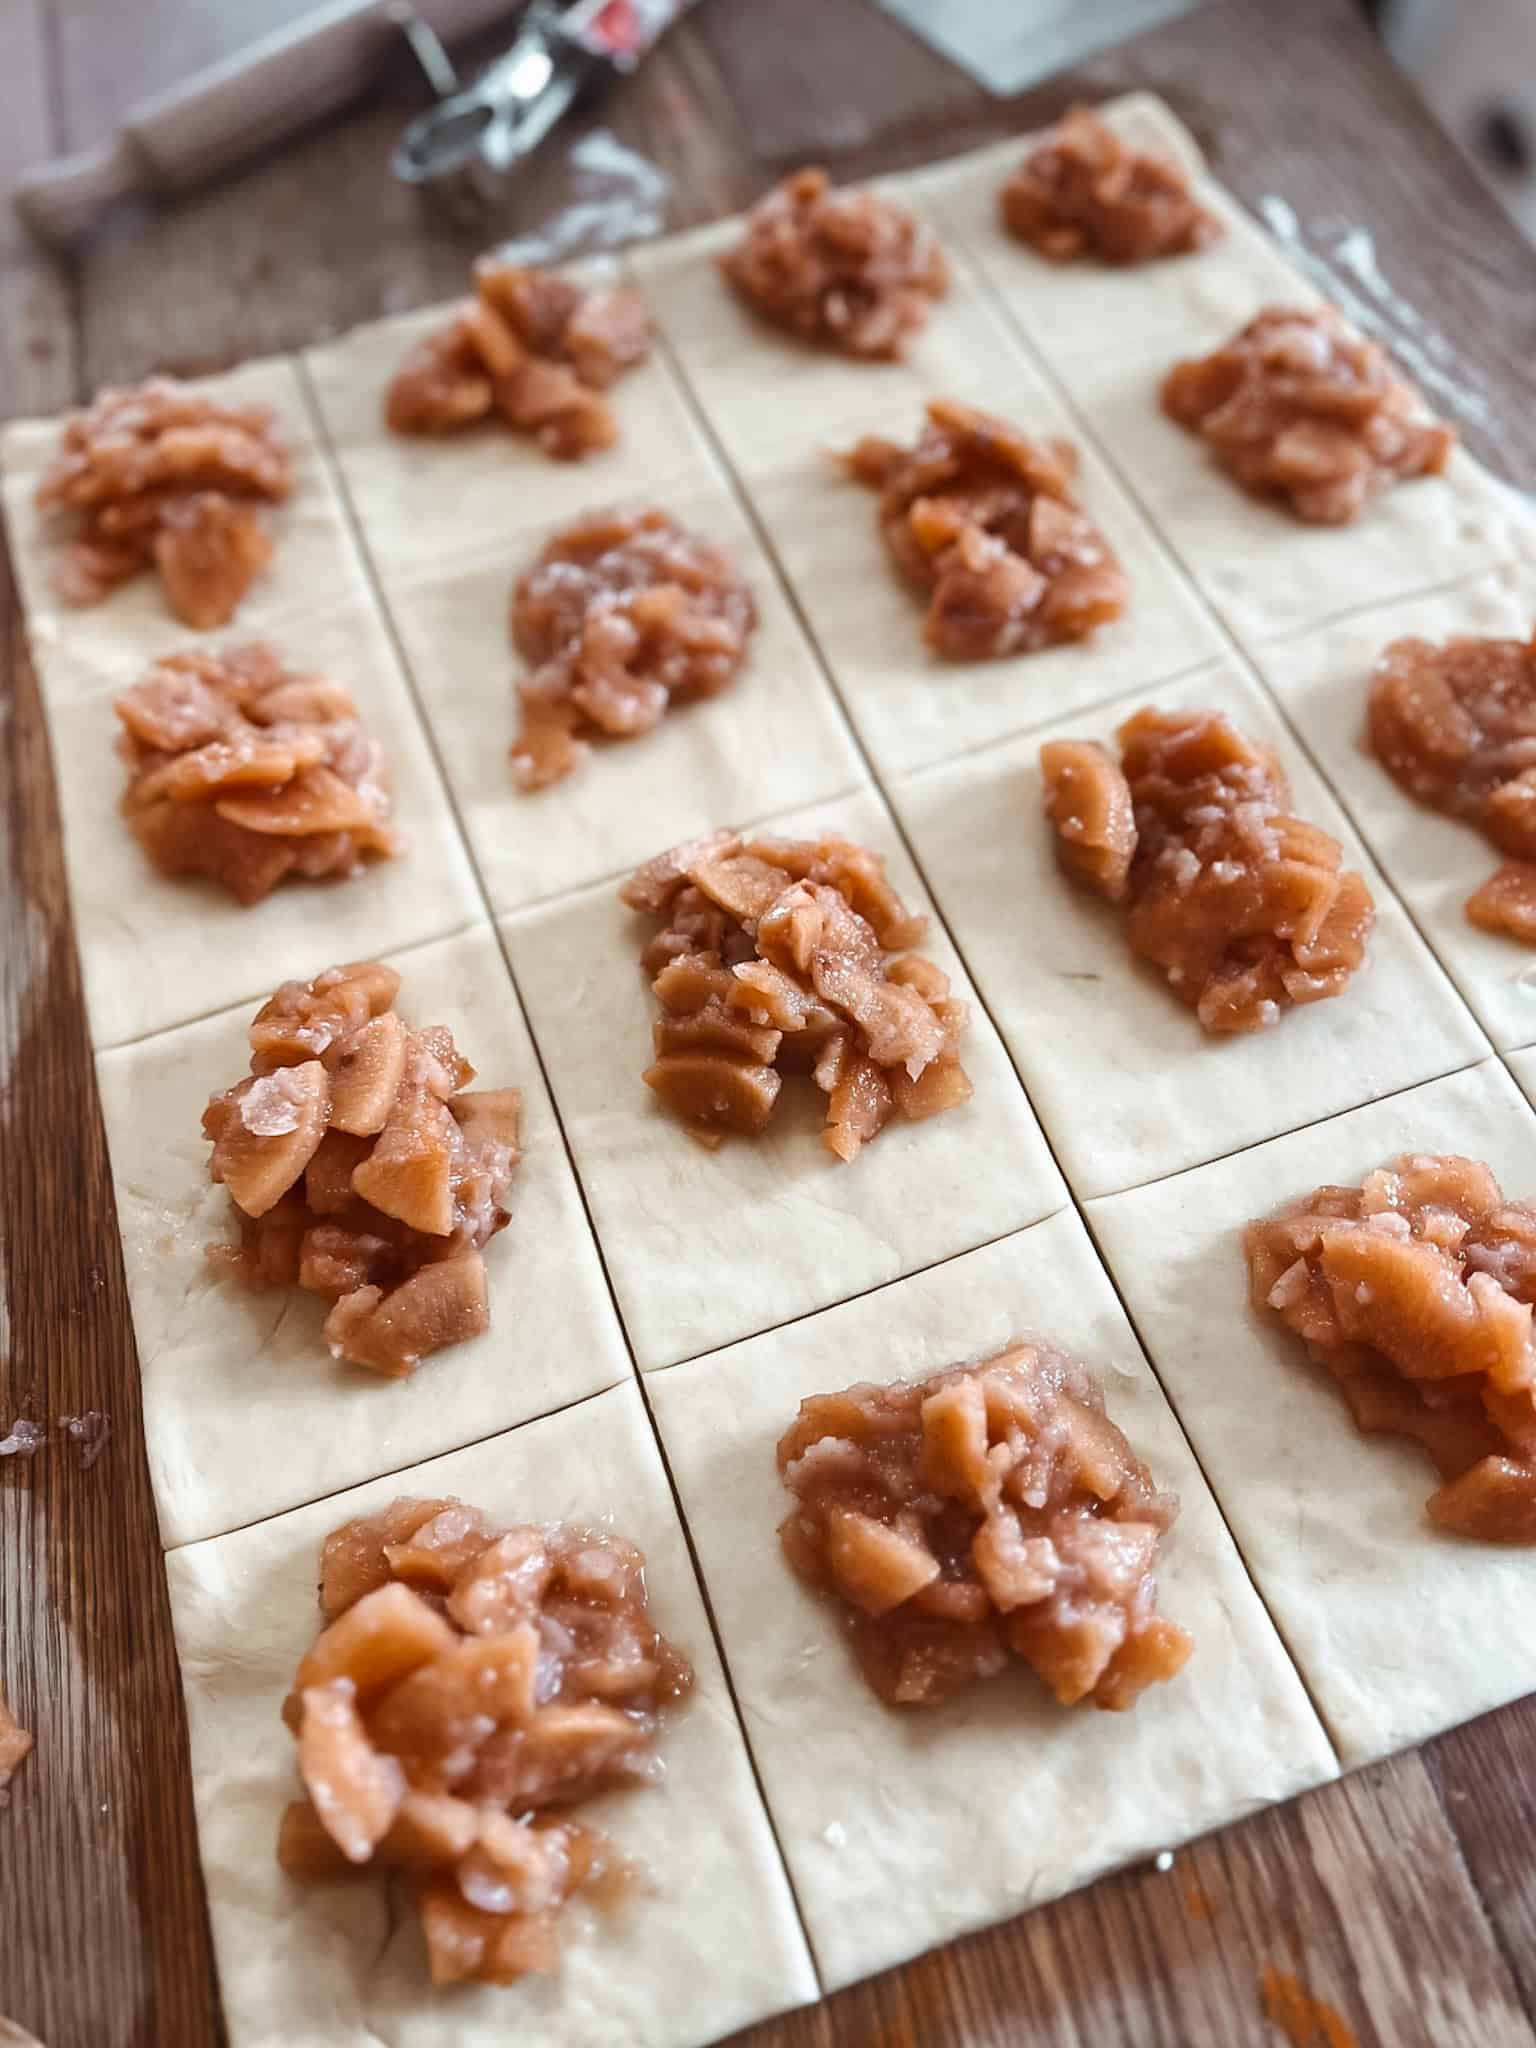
[{"x": 1393, "y": 1908}]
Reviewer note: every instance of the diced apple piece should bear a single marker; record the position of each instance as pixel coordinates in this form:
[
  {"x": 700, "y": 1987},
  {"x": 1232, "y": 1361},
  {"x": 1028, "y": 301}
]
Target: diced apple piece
[
  {"x": 491, "y": 1116},
  {"x": 281, "y": 1119},
  {"x": 446, "y": 1709},
  {"x": 503, "y": 1585},
  {"x": 409, "y": 1173},
  {"x": 317, "y": 800},
  {"x": 352, "y": 1560},
  {"x": 875, "y": 1566},
  {"x": 328, "y": 1176},
  {"x": 714, "y": 1092},
  {"x": 431, "y": 1832},
  {"x": 440, "y": 1305},
  {"x": 355, "y": 1791},
  {"x": 437, "y": 1551},
  {"x": 366, "y": 1070},
  {"x": 379, "y": 1640}
]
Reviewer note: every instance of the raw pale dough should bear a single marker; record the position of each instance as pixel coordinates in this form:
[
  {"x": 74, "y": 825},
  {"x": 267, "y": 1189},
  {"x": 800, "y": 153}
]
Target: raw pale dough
[
  {"x": 912, "y": 707},
  {"x": 705, "y": 1247},
  {"x": 710, "y": 1945},
  {"x": 1127, "y": 1084},
  {"x": 751, "y": 379},
  {"x": 1398, "y": 1630},
  {"x": 155, "y": 952},
  {"x": 1323, "y": 680},
  {"x": 245, "y": 1412},
  {"x": 1070, "y": 309},
  {"x": 774, "y": 739},
  {"x": 903, "y": 1830},
  {"x": 1262, "y": 570}
]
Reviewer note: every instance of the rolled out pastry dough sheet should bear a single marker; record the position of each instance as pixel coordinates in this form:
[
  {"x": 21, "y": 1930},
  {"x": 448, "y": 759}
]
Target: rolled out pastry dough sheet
[
  {"x": 708, "y": 1945},
  {"x": 773, "y": 741},
  {"x": 1073, "y": 309},
  {"x": 154, "y": 952},
  {"x": 245, "y": 1412},
  {"x": 1323, "y": 680},
  {"x": 706, "y": 1247},
  {"x": 911, "y": 706},
  {"x": 903, "y": 1830},
  {"x": 1399, "y": 1631},
  {"x": 1127, "y": 1084}
]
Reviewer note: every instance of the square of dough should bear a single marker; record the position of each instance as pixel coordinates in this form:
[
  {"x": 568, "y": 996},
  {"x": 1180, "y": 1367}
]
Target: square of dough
[
  {"x": 316, "y": 608},
  {"x": 1399, "y": 1631},
  {"x": 1263, "y": 570},
  {"x": 1435, "y": 862},
  {"x": 774, "y": 739},
  {"x": 245, "y": 1411},
  {"x": 425, "y": 500},
  {"x": 912, "y": 706},
  {"x": 1067, "y": 309},
  {"x": 752, "y": 379},
  {"x": 906, "y": 1829},
  {"x": 709, "y": 1941},
  {"x": 1127, "y": 1084},
  {"x": 705, "y": 1247}
]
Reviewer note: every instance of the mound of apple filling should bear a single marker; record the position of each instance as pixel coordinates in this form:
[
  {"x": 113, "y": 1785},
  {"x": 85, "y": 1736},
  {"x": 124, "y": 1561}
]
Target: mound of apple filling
[
  {"x": 982, "y": 518},
  {"x": 1415, "y": 1291},
  {"x": 772, "y": 959},
  {"x": 846, "y": 269},
  {"x": 623, "y": 614},
  {"x": 361, "y": 1170},
  {"x": 531, "y": 349},
  {"x": 471, "y": 1686},
  {"x": 1455, "y": 726},
  {"x": 247, "y": 772},
  {"x": 990, "y": 1512},
  {"x": 158, "y": 475},
  {"x": 1083, "y": 191},
  {"x": 1246, "y": 909},
  {"x": 1299, "y": 407}
]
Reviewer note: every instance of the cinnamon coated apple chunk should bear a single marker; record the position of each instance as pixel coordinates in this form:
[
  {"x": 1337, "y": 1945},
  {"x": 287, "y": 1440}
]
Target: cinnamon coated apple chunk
[
  {"x": 1415, "y": 1291},
  {"x": 774, "y": 958},
  {"x": 989, "y": 1513},
  {"x": 1245, "y": 909},
  {"x": 248, "y": 772},
  {"x": 472, "y": 1685},
  {"x": 363, "y": 1168}
]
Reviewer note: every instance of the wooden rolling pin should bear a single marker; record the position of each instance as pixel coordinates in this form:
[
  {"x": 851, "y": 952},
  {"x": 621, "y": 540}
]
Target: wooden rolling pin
[{"x": 176, "y": 139}]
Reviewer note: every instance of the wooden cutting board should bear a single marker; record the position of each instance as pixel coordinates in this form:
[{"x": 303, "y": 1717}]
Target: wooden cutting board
[{"x": 1391, "y": 1908}]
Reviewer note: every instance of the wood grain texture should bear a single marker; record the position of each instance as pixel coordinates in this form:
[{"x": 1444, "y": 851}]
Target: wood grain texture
[{"x": 1400, "y": 1898}]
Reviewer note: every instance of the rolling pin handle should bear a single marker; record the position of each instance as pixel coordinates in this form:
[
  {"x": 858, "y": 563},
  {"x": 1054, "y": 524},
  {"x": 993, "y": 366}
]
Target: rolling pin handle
[{"x": 60, "y": 201}]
